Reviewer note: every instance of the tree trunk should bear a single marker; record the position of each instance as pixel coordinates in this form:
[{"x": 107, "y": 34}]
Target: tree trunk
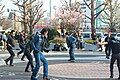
[
  {"x": 111, "y": 15},
  {"x": 24, "y": 19},
  {"x": 31, "y": 30},
  {"x": 92, "y": 20},
  {"x": 70, "y": 3}
]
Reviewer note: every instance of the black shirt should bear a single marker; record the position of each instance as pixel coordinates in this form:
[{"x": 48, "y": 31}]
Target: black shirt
[{"x": 115, "y": 46}]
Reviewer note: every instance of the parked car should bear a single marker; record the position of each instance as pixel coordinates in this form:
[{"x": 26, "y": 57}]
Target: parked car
[
  {"x": 112, "y": 34},
  {"x": 117, "y": 36},
  {"x": 87, "y": 35}
]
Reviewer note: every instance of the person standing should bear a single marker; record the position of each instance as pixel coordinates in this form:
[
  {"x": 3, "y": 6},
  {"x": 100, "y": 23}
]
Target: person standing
[
  {"x": 10, "y": 44},
  {"x": 4, "y": 39},
  {"x": 115, "y": 46},
  {"x": 107, "y": 46},
  {"x": 67, "y": 39},
  {"x": 38, "y": 44},
  {"x": 27, "y": 53},
  {"x": 21, "y": 41},
  {"x": 72, "y": 45},
  {"x": 99, "y": 41}
]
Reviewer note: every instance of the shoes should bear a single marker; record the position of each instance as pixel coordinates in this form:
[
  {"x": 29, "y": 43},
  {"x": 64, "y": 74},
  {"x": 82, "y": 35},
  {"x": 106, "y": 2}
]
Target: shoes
[
  {"x": 6, "y": 62},
  {"x": 33, "y": 78},
  {"x": 107, "y": 57},
  {"x": 100, "y": 50},
  {"x": 11, "y": 65},
  {"x": 71, "y": 60},
  {"x": 45, "y": 78},
  {"x": 27, "y": 71},
  {"x": 111, "y": 76},
  {"x": 119, "y": 78},
  {"x": 22, "y": 60}
]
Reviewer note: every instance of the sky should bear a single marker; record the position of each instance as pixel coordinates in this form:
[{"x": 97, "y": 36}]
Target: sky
[{"x": 8, "y": 5}]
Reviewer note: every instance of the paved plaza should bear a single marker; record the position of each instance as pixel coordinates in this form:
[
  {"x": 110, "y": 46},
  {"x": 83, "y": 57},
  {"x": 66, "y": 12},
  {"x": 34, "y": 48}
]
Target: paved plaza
[{"x": 88, "y": 66}]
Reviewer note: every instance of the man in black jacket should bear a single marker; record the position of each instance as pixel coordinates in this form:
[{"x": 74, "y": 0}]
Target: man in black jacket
[
  {"x": 21, "y": 41},
  {"x": 10, "y": 44},
  {"x": 115, "y": 46},
  {"x": 27, "y": 53},
  {"x": 107, "y": 46}
]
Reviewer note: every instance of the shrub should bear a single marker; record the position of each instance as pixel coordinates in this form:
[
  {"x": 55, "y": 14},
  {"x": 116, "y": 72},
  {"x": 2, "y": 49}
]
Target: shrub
[
  {"x": 57, "y": 41},
  {"x": 52, "y": 33},
  {"x": 1, "y": 43},
  {"x": 90, "y": 41}
]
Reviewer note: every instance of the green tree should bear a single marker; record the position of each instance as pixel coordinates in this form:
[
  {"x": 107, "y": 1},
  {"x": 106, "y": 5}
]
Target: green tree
[{"x": 52, "y": 33}]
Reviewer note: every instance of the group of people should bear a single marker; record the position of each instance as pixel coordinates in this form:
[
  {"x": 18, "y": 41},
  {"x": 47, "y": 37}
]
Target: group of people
[
  {"x": 38, "y": 44},
  {"x": 111, "y": 47}
]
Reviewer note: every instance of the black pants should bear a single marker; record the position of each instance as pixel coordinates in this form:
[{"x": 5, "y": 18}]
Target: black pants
[
  {"x": 107, "y": 50},
  {"x": 30, "y": 62},
  {"x": 12, "y": 54},
  {"x": 100, "y": 46},
  {"x": 115, "y": 57},
  {"x": 23, "y": 57},
  {"x": 22, "y": 50}
]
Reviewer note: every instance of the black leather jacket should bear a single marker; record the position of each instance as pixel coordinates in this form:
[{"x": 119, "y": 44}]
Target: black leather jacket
[{"x": 10, "y": 41}]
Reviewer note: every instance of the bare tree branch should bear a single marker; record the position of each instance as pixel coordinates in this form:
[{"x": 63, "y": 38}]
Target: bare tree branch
[
  {"x": 99, "y": 6},
  {"x": 87, "y": 4},
  {"x": 97, "y": 14},
  {"x": 30, "y": 10},
  {"x": 87, "y": 17}
]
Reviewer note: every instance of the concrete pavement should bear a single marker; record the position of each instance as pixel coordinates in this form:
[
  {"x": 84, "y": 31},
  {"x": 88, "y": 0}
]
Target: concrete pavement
[{"x": 88, "y": 66}]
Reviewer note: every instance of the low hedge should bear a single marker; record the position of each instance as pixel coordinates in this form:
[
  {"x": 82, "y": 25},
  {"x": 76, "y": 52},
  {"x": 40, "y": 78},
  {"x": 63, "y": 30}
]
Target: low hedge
[
  {"x": 90, "y": 41},
  {"x": 57, "y": 41}
]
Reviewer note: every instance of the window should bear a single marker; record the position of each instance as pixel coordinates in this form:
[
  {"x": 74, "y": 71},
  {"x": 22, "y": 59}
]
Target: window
[
  {"x": 86, "y": 35},
  {"x": 118, "y": 35}
]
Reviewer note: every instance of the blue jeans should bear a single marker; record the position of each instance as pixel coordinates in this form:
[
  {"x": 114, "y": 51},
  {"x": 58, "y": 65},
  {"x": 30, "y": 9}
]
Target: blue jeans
[
  {"x": 71, "y": 52},
  {"x": 39, "y": 57}
]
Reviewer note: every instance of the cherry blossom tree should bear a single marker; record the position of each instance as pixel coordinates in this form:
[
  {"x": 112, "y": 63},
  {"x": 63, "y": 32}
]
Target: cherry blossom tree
[{"x": 69, "y": 15}]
